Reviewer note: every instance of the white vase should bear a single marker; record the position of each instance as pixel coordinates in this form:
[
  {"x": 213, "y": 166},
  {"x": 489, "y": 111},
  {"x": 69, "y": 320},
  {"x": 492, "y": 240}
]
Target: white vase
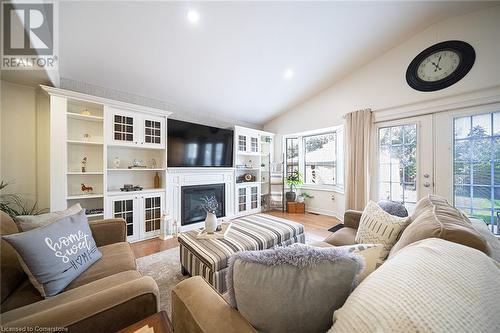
[{"x": 210, "y": 223}]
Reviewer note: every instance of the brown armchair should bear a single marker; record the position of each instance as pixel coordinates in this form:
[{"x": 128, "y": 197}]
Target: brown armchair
[
  {"x": 346, "y": 235},
  {"x": 107, "y": 297}
]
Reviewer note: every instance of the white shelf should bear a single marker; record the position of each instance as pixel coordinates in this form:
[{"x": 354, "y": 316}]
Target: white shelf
[
  {"x": 247, "y": 153},
  {"x": 81, "y": 142},
  {"x": 137, "y": 169},
  {"x": 248, "y": 183},
  {"x": 146, "y": 190},
  {"x": 85, "y": 117},
  {"x": 246, "y": 169},
  {"x": 84, "y": 173},
  {"x": 84, "y": 196}
]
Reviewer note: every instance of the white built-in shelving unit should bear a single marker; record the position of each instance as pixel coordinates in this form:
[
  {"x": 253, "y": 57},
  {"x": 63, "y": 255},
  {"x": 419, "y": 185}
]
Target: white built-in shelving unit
[
  {"x": 253, "y": 154},
  {"x": 103, "y": 131}
]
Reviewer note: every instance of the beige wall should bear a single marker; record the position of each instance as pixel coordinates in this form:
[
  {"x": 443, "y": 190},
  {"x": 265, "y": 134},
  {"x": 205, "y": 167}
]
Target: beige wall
[
  {"x": 18, "y": 139},
  {"x": 381, "y": 84}
]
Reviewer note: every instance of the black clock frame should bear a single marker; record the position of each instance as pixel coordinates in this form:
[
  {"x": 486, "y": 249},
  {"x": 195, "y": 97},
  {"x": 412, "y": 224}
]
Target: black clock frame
[{"x": 467, "y": 57}]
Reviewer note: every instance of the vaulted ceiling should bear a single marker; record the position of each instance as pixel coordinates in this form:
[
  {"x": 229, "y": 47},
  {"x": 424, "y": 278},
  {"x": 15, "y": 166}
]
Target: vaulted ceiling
[{"x": 233, "y": 60}]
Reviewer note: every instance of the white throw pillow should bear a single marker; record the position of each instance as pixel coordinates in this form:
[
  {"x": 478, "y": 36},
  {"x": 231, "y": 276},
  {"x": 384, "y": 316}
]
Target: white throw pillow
[
  {"x": 371, "y": 254},
  {"x": 379, "y": 227},
  {"x": 30, "y": 222}
]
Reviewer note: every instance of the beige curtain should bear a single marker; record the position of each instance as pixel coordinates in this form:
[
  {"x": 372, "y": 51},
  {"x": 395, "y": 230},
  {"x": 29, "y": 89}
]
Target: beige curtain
[{"x": 357, "y": 127}]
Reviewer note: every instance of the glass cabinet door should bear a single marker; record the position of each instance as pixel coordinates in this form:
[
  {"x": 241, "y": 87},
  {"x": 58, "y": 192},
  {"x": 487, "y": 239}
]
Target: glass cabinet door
[
  {"x": 153, "y": 129},
  {"x": 123, "y": 128},
  {"x": 254, "y": 197},
  {"x": 152, "y": 213},
  {"x": 254, "y": 144},
  {"x": 242, "y": 199},
  {"x": 242, "y": 143},
  {"x": 125, "y": 209}
]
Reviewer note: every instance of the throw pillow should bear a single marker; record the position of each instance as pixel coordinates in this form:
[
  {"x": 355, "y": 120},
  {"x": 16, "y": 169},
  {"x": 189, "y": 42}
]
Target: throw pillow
[
  {"x": 434, "y": 217},
  {"x": 393, "y": 208},
  {"x": 429, "y": 286},
  {"x": 30, "y": 222},
  {"x": 379, "y": 227},
  {"x": 291, "y": 289},
  {"x": 369, "y": 252},
  {"x": 56, "y": 254}
]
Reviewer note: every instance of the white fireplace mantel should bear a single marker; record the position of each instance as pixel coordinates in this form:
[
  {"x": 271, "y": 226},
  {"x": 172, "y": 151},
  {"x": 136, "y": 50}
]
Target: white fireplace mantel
[{"x": 179, "y": 177}]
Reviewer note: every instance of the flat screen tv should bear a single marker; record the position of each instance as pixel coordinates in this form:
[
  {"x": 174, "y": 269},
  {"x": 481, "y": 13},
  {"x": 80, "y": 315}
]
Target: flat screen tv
[{"x": 194, "y": 145}]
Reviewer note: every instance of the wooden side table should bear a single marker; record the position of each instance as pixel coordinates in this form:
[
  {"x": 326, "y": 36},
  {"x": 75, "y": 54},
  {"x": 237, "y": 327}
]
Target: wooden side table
[
  {"x": 295, "y": 207},
  {"x": 159, "y": 322}
]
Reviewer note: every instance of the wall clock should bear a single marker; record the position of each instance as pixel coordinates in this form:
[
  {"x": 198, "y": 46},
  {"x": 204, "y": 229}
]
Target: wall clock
[{"x": 440, "y": 65}]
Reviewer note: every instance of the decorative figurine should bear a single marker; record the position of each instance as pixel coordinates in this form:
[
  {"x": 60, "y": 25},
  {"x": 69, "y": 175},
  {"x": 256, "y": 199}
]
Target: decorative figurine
[
  {"x": 86, "y": 137},
  {"x": 154, "y": 165},
  {"x": 84, "y": 164},
  {"x": 117, "y": 162},
  {"x": 87, "y": 189},
  {"x": 85, "y": 112}
]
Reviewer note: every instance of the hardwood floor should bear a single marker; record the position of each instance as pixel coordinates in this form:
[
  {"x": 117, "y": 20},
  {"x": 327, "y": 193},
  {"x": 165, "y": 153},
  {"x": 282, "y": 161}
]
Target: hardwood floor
[{"x": 316, "y": 226}]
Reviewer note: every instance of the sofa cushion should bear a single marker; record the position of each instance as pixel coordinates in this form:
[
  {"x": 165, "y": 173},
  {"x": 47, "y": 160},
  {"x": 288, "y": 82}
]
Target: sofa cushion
[
  {"x": 54, "y": 255},
  {"x": 430, "y": 286},
  {"x": 492, "y": 242},
  {"x": 30, "y": 222},
  {"x": 12, "y": 274},
  {"x": 25, "y": 294},
  {"x": 115, "y": 258},
  {"x": 379, "y": 227},
  {"x": 291, "y": 289},
  {"x": 434, "y": 217},
  {"x": 371, "y": 255},
  {"x": 344, "y": 236}
]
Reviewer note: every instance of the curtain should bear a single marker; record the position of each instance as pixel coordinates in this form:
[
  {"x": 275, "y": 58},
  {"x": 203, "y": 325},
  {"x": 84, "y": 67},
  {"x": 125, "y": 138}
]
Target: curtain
[{"x": 357, "y": 127}]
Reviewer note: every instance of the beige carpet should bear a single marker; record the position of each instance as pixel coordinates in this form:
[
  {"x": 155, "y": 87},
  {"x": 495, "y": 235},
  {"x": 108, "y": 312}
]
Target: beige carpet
[{"x": 165, "y": 268}]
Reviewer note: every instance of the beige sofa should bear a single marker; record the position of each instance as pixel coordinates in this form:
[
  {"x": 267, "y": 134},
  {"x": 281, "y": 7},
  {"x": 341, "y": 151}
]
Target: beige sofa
[
  {"x": 107, "y": 297},
  {"x": 197, "y": 307}
]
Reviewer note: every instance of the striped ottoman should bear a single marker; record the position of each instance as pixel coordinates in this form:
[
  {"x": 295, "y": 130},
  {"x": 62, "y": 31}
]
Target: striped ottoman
[{"x": 209, "y": 257}]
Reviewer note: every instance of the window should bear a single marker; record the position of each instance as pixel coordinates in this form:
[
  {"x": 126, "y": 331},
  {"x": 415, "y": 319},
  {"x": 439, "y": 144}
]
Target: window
[
  {"x": 316, "y": 156},
  {"x": 476, "y": 167},
  {"x": 320, "y": 153},
  {"x": 397, "y": 163}
]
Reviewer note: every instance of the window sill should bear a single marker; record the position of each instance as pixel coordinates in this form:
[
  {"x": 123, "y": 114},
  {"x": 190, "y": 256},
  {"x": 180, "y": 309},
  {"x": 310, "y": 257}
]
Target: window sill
[{"x": 325, "y": 188}]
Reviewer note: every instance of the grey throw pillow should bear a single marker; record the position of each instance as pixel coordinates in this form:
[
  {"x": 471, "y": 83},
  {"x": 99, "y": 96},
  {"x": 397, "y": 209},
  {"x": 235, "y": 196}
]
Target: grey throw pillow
[
  {"x": 30, "y": 222},
  {"x": 393, "y": 208},
  {"x": 291, "y": 289},
  {"x": 56, "y": 254}
]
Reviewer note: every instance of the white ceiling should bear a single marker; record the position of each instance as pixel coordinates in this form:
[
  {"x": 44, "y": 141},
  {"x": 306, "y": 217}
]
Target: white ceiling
[{"x": 232, "y": 62}]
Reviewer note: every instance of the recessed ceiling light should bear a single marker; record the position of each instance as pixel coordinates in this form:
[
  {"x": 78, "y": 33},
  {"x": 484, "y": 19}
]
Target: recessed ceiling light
[
  {"x": 288, "y": 74},
  {"x": 193, "y": 16}
]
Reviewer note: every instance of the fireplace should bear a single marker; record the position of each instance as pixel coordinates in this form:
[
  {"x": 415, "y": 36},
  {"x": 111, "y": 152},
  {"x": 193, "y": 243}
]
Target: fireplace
[{"x": 191, "y": 211}]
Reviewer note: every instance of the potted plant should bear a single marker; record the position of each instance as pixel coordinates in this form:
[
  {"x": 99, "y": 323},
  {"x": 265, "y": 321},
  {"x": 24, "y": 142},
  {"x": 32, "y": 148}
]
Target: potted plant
[
  {"x": 303, "y": 196},
  {"x": 210, "y": 206},
  {"x": 293, "y": 181}
]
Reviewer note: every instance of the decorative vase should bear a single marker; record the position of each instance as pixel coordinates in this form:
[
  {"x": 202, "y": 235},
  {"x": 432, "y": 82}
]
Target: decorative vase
[
  {"x": 300, "y": 199},
  {"x": 157, "y": 181},
  {"x": 290, "y": 196},
  {"x": 210, "y": 223}
]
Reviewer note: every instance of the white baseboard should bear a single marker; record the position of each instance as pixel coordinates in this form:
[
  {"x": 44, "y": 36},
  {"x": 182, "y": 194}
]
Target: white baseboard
[{"x": 325, "y": 212}]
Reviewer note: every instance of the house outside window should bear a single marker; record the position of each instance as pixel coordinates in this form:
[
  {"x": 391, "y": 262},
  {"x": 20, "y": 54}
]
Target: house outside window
[{"x": 318, "y": 156}]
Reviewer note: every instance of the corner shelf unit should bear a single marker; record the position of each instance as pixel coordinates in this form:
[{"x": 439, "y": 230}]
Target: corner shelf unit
[{"x": 112, "y": 136}]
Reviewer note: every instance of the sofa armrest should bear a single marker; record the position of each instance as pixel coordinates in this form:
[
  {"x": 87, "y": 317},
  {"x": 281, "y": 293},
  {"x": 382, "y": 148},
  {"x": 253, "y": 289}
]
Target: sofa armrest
[
  {"x": 351, "y": 218},
  {"x": 197, "y": 308},
  {"x": 108, "y": 231},
  {"x": 105, "y": 305}
]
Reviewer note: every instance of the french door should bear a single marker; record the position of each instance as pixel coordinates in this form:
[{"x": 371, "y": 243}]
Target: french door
[
  {"x": 454, "y": 154},
  {"x": 404, "y": 160}
]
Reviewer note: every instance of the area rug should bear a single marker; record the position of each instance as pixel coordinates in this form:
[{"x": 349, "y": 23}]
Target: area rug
[{"x": 165, "y": 268}]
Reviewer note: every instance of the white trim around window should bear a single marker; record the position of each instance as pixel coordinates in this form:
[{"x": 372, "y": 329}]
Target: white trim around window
[{"x": 338, "y": 131}]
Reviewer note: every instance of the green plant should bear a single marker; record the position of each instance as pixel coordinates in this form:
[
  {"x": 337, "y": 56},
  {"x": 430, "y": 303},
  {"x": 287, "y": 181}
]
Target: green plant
[
  {"x": 306, "y": 195},
  {"x": 14, "y": 205},
  {"x": 294, "y": 180}
]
